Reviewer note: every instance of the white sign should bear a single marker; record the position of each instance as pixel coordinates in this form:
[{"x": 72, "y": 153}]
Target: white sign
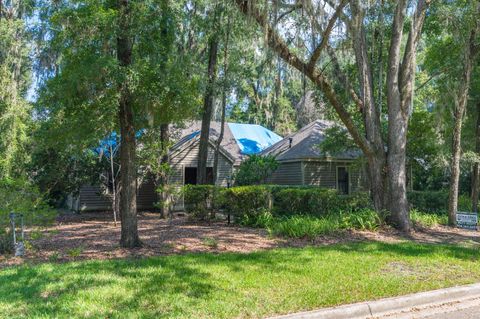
[{"x": 467, "y": 220}]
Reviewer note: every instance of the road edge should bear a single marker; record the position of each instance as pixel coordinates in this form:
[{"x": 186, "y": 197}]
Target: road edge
[{"x": 386, "y": 306}]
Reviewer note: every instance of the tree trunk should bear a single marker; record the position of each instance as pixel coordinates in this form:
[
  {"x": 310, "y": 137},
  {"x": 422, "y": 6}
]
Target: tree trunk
[
  {"x": 207, "y": 112},
  {"x": 114, "y": 186},
  {"x": 163, "y": 176},
  {"x": 471, "y": 51},
  {"x": 476, "y": 166},
  {"x": 455, "y": 166},
  {"x": 377, "y": 179},
  {"x": 224, "y": 103},
  {"x": 397, "y": 174},
  {"x": 384, "y": 179},
  {"x": 128, "y": 170}
]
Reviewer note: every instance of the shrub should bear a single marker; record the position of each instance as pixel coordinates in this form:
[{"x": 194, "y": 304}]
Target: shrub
[
  {"x": 261, "y": 220},
  {"x": 436, "y": 201},
  {"x": 316, "y": 201},
  {"x": 201, "y": 201},
  {"x": 247, "y": 200},
  {"x": 255, "y": 170},
  {"x": 363, "y": 219},
  {"x": 210, "y": 242},
  {"x": 428, "y": 219},
  {"x": 20, "y": 197},
  {"x": 356, "y": 201},
  {"x": 428, "y": 201},
  {"x": 465, "y": 203},
  {"x": 302, "y": 226},
  {"x": 310, "y": 227}
]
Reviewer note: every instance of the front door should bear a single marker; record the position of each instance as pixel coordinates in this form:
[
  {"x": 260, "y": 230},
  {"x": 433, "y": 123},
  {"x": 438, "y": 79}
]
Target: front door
[
  {"x": 342, "y": 180},
  {"x": 190, "y": 176}
]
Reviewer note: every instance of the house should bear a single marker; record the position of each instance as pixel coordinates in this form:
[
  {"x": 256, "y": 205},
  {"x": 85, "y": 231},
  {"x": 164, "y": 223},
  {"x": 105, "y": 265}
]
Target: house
[
  {"x": 303, "y": 163},
  {"x": 239, "y": 141}
]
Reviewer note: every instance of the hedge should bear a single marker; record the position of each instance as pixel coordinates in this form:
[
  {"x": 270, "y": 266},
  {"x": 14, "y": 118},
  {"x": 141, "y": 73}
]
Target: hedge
[
  {"x": 203, "y": 201},
  {"x": 247, "y": 200},
  {"x": 436, "y": 201},
  {"x": 317, "y": 201}
]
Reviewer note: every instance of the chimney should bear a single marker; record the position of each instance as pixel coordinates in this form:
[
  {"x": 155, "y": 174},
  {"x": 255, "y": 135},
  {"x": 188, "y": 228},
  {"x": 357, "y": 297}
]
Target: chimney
[{"x": 290, "y": 139}]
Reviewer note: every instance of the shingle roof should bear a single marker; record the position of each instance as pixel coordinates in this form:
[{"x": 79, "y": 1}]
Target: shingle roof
[
  {"x": 305, "y": 144},
  {"x": 239, "y": 140}
]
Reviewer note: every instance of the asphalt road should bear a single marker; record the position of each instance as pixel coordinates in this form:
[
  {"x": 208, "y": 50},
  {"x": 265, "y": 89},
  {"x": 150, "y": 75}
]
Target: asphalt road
[
  {"x": 465, "y": 309},
  {"x": 469, "y": 313}
]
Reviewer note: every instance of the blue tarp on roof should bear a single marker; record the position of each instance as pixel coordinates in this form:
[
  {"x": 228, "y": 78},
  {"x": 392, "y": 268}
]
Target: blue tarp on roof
[
  {"x": 112, "y": 142},
  {"x": 252, "y": 138}
]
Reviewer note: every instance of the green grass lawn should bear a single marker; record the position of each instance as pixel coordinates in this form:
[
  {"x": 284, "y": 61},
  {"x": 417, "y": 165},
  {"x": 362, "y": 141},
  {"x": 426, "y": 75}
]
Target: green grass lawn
[{"x": 233, "y": 285}]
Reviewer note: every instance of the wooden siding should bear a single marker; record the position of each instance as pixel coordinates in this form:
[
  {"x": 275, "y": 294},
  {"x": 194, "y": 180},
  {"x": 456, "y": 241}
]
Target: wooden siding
[
  {"x": 146, "y": 195},
  {"x": 94, "y": 198},
  {"x": 287, "y": 174},
  {"x": 188, "y": 157},
  {"x": 324, "y": 174},
  {"x": 321, "y": 174}
]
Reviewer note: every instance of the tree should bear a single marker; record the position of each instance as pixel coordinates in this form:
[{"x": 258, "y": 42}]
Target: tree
[
  {"x": 128, "y": 169},
  {"x": 386, "y": 156},
  {"x": 255, "y": 170},
  {"x": 471, "y": 52},
  {"x": 15, "y": 71},
  {"x": 113, "y": 71},
  {"x": 224, "y": 100},
  {"x": 476, "y": 165},
  {"x": 209, "y": 99}
]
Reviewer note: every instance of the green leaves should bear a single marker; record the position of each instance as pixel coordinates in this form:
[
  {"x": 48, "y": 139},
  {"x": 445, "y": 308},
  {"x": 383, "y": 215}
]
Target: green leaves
[
  {"x": 80, "y": 99},
  {"x": 255, "y": 170}
]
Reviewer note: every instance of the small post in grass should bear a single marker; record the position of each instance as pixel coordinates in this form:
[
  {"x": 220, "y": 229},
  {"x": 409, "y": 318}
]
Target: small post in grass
[{"x": 19, "y": 246}]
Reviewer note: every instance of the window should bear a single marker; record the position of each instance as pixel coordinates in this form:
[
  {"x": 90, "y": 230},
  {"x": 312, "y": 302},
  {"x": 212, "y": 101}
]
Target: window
[
  {"x": 342, "y": 180},
  {"x": 191, "y": 176}
]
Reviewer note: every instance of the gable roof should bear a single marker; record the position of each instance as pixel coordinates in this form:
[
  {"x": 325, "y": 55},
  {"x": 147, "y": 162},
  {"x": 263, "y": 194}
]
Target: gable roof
[
  {"x": 305, "y": 144},
  {"x": 239, "y": 140},
  {"x": 253, "y": 138},
  {"x": 191, "y": 139}
]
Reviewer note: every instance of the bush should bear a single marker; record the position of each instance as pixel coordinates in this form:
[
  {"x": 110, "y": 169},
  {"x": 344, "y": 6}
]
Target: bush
[
  {"x": 249, "y": 201},
  {"x": 316, "y": 201},
  {"x": 465, "y": 203},
  {"x": 428, "y": 219},
  {"x": 428, "y": 201},
  {"x": 201, "y": 201},
  {"x": 436, "y": 201},
  {"x": 302, "y": 227},
  {"x": 255, "y": 170},
  {"x": 363, "y": 219},
  {"x": 20, "y": 197},
  {"x": 261, "y": 220},
  {"x": 310, "y": 227}
]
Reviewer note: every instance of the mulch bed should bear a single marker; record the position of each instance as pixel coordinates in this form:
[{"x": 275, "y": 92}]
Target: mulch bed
[{"x": 94, "y": 236}]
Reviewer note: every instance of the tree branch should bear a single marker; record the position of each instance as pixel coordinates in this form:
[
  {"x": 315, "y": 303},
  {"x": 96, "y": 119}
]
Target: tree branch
[
  {"x": 292, "y": 8},
  {"x": 342, "y": 78},
  {"x": 276, "y": 43},
  {"x": 325, "y": 36},
  {"x": 407, "y": 71}
]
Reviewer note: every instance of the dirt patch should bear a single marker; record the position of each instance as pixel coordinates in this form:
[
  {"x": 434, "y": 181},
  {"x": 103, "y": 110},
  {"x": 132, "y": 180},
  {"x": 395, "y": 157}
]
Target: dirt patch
[{"x": 94, "y": 236}]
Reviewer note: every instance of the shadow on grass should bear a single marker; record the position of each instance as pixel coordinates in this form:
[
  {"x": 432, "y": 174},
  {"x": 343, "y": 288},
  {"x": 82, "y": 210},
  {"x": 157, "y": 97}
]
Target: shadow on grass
[
  {"x": 49, "y": 288},
  {"x": 56, "y": 289}
]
